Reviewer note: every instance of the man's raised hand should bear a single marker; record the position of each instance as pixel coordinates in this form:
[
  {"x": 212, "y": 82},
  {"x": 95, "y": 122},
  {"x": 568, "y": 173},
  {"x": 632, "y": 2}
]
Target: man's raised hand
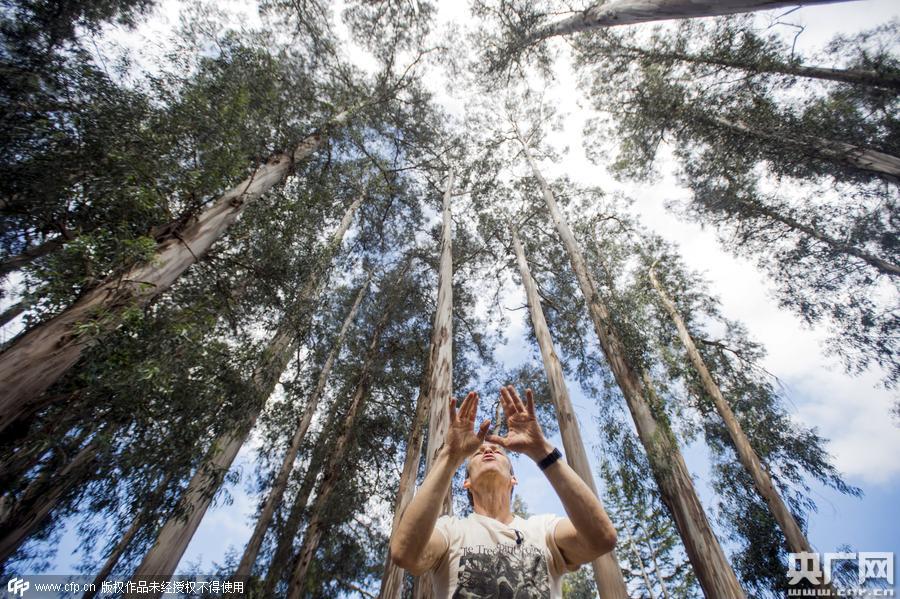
[
  {"x": 524, "y": 434},
  {"x": 461, "y": 440}
]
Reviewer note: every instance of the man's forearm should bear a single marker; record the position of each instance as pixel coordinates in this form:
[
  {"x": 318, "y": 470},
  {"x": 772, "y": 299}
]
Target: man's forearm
[
  {"x": 417, "y": 522},
  {"x": 582, "y": 507}
]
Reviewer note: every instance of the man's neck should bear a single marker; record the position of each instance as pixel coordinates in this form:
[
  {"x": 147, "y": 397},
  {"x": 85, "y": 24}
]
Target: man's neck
[{"x": 493, "y": 505}]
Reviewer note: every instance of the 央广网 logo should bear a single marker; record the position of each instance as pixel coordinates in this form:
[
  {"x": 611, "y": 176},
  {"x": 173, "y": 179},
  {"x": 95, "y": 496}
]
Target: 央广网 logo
[{"x": 871, "y": 566}]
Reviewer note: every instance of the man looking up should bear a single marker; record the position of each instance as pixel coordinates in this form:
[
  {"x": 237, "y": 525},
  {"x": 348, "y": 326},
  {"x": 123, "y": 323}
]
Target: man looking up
[{"x": 493, "y": 553}]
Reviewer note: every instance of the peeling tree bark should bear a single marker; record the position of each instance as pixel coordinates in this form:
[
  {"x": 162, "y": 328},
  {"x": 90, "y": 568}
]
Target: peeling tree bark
[
  {"x": 713, "y": 571},
  {"x": 281, "y": 479},
  {"x": 161, "y": 560},
  {"x": 441, "y": 386},
  {"x": 630, "y": 12},
  {"x": 41, "y": 356},
  {"x": 610, "y": 582}
]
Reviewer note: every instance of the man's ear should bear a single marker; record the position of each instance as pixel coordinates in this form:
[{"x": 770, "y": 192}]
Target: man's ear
[
  {"x": 514, "y": 480},
  {"x": 467, "y": 484}
]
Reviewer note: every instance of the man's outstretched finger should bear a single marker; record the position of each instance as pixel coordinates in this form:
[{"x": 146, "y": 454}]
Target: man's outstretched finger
[
  {"x": 452, "y": 409},
  {"x": 509, "y": 407},
  {"x": 517, "y": 402},
  {"x": 521, "y": 404},
  {"x": 473, "y": 407},
  {"x": 464, "y": 408},
  {"x": 529, "y": 395}
]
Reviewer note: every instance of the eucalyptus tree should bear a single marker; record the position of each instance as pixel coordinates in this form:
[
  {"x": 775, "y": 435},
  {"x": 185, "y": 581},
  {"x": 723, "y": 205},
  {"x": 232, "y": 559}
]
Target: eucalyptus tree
[
  {"x": 194, "y": 355},
  {"x": 651, "y": 550},
  {"x": 378, "y": 454},
  {"x": 776, "y": 490},
  {"x": 669, "y": 468},
  {"x": 37, "y": 359},
  {"x": 773, "y": 191},
  {"x": 333, "y": 467},
  {"x": 186, "y": 244},
  {"x": 521, "y": 26},
  {"x": 143, "y": 401},
  {"x": 437, "y": 383},
  {"x": 175, "y": 535},
  {"x": 621, "y": 254},
  {"x": 748, "y": 457},
  {"x": 280, "y": 481},
  {"x": 735, "y": 45},
  {"x": 606, "y": 571}
]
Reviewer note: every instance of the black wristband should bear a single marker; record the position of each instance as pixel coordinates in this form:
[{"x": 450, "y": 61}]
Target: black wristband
[{"x": 550, "y": 459}]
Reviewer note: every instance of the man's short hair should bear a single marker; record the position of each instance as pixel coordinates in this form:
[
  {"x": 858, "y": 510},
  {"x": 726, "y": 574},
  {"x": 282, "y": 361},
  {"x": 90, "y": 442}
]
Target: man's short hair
[{"x": 469, "y": 493}]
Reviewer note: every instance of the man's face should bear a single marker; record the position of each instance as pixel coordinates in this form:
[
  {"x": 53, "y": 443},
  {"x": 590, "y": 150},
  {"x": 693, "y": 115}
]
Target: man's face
[{"x": 488, "y": 460}]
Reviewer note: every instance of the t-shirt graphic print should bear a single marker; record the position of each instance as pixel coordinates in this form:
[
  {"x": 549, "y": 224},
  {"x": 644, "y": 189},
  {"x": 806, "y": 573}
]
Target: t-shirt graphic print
[
  {"x": 503, "y": 572},
  {"x": 486, "y": 559}
]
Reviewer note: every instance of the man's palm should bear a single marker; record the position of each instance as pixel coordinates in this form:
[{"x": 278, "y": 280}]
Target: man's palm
[
  {"x": 524, "y": 434},
  {"x": 461, "y": 440}
]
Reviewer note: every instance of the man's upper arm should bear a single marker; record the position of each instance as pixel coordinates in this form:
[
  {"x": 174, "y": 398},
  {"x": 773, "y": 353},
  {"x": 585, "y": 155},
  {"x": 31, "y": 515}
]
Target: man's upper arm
[
  {"x": 575, "y": 548},
  {"x": 435, "y": 549}
]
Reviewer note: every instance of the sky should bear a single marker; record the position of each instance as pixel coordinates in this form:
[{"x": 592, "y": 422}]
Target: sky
[{"x": 853, "y": 413}]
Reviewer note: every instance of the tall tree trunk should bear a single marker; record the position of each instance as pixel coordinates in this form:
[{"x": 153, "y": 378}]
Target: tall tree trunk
[
  {"x": 11, "y": 312},
  {"x": 139, "y": 521},
  {"x": 16, "y": 262},
  {"x": 282, "y": 556},
  {"x": 334, "y": 467},
  {"x": 331, "y": 474},
  {"x": 848, "y": 155},
  {"x": 441, "y": 361},
  {"x": 41, "y": 496},
  {"x": 281, "y": 479},
  {"x": 676, "y": 487},
  {"x": 630, "y": 12},
  {"x": 392, "y": 579},
  {"x": 881, "y": 265},
  {"x": 610, "y": 582},
  {"x": 637, "y": 555},
  {"x": 136, "y": 524},
  {"x": 870, "y": 78},
  {"x": 659, "y": 577},
  {"x": 161, "y": 560},
  {"x": 25, "y": 447},
  {"x": 796, "y": 539},
  {"x": 60, "y": 452},
  {"x": 41, "y": 356}
]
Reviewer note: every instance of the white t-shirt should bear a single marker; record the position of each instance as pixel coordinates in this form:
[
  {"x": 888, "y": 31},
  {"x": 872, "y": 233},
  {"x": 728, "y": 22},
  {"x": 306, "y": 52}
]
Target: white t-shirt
[{"x": 486, "y": 558}]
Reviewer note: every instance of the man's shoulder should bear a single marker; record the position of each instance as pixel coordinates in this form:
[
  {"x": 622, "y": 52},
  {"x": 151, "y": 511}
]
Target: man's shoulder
[{"x": 540, "y": 518}]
